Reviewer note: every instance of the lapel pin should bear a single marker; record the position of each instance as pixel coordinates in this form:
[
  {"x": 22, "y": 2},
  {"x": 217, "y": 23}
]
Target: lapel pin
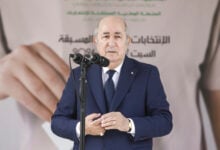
[{"x": 132, "y": 73}]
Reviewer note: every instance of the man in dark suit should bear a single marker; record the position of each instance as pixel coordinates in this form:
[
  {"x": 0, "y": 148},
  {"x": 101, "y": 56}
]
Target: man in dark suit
[{"x": 126, "y": 103}]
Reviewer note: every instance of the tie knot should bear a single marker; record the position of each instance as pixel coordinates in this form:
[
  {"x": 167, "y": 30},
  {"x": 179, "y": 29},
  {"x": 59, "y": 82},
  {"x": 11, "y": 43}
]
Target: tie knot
[{"x": 110, "y": 73}]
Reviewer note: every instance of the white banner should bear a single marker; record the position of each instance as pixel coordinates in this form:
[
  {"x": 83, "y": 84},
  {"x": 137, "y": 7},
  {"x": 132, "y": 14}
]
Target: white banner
[{"x": 172, "y": 35}]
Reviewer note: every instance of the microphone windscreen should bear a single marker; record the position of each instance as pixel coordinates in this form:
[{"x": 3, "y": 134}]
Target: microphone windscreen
[
  {"x": 104, "y": 62},
  {"x": 77, "y": 58},
  {"x": 95, "y": 58}
]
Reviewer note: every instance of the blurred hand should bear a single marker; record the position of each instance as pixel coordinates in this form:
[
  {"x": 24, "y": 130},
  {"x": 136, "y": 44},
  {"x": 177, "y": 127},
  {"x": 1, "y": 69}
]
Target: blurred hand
[
  {"x": 115, "y": 120},
  {"x": 35, "y": 76},
  {"x": 212, "y": 101},
  {"x": 93, "y": 125}
]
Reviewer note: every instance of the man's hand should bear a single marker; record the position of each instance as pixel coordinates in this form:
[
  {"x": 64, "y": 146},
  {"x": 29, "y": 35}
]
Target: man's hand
[
  {"x": 93, "y": 125},
  {"x": 115, "y": 120},
  {"x": 35, "y": 76}
]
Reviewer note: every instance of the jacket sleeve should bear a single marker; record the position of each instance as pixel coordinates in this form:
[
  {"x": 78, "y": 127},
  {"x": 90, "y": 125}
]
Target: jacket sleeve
[
  {"x": 64, "y": 119},
  {"x": 158, "y": 119}
]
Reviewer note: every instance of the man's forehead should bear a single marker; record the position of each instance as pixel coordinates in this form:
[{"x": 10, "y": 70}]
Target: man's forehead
[{"x": 111, "y": 25}]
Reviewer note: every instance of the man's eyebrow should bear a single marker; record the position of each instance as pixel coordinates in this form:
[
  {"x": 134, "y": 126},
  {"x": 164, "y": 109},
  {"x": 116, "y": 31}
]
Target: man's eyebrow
[
  {"x": 106, "y": 33},
  {"x": 117, "y": 32},
  {"x": 109, "y": 33}
]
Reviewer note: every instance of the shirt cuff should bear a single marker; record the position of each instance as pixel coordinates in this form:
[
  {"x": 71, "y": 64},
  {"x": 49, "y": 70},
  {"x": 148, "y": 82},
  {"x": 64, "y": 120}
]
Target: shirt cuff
[{"x": 78, "y": 129}]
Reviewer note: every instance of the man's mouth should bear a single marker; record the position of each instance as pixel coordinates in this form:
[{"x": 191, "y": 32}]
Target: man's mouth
[{"x": 111, "y": 51}]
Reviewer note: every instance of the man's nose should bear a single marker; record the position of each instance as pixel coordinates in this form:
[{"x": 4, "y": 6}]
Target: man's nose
[{"x": 112, "y": 42}]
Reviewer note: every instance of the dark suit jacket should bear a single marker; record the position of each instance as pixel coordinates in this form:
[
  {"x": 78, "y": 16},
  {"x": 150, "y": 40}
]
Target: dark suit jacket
[{"x": 139, "y": 95}]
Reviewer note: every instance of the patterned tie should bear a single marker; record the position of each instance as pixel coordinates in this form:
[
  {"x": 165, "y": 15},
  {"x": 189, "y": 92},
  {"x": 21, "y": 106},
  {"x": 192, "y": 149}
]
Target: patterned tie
[{"x": 109, "y": 87}]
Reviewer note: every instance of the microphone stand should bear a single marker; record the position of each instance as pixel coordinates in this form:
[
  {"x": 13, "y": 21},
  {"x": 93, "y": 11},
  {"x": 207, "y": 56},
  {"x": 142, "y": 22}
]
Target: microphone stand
[
  {"x": 82, "y": 91},
  {"x": 84, "y": 64}
]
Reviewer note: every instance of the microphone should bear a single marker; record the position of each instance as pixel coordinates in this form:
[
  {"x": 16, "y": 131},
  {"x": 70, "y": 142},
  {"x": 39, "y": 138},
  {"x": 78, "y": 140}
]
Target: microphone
[
  {"x": 77, "y": 58},
  {"x": 90, "y": 59},
  {"x": 97, "y": 59}
]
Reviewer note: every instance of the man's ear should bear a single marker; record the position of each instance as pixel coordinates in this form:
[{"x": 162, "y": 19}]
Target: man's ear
[
  {"x": 94, "y": 40},
  {"x": 128, "y": 40}
]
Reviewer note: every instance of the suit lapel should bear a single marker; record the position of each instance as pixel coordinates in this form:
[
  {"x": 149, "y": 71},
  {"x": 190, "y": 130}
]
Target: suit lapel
[
  {"x": 94, "y": 76},
  {"x": 127, "y": 76}
]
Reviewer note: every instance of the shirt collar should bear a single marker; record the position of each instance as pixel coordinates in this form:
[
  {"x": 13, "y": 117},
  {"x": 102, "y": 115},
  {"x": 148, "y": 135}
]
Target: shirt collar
[{"x": 117, "y": 69}]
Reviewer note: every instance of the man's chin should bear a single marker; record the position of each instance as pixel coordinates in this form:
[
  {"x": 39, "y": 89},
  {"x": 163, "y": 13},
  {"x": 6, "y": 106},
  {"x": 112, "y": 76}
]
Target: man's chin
[
  {"x": 113, "y": 60},
  {"x": 111, "y": 55}
]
